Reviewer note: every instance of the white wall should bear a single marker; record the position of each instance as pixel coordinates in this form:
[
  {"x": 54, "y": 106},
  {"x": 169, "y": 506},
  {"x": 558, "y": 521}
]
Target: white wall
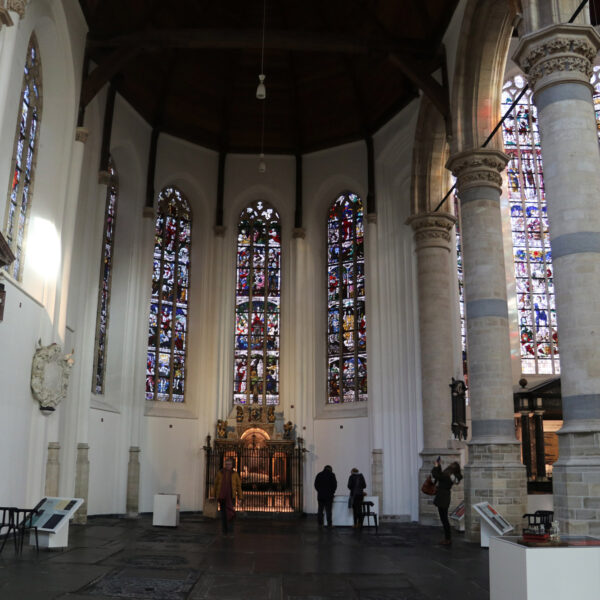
[
  {"x": 171, "y": 437},
  {"x": 34, "y": 304}
]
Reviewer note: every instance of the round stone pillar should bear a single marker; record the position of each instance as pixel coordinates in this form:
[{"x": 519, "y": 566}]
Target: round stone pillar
[
  {"x": 558, "y": 63},
  {"x": 433, "y": 245},
  {"x": 494, "y": 472}
]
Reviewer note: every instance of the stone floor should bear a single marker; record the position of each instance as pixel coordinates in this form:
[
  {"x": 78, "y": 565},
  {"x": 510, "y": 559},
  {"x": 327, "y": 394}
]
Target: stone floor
[{"x": 266, "y": 559}]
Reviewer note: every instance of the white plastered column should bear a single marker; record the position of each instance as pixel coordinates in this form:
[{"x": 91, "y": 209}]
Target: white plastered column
[
  {"x": 558, "y": 61},
  {"x": 494, "y": 472},
  {"x": 433, "y": 245}
]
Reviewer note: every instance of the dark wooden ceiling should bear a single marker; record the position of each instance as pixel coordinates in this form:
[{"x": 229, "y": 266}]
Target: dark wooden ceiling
[{"x": 336, "y": 70}]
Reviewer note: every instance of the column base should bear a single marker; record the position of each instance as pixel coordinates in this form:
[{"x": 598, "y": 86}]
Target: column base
[
  {"x": 428, "y": 513},
  {"x": 576, "y": 483},
  {"x": 495, "y": 475}
]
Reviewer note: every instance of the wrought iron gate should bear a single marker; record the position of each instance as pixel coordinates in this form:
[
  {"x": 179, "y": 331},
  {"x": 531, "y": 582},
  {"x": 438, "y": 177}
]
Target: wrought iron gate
[{"x": 271, "y": 475}]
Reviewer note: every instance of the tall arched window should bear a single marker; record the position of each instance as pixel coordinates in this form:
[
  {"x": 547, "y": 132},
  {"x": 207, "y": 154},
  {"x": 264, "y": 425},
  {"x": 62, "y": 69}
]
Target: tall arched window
[
  {"x": 106, "y": 265},
  {"x": 24, "y": 157},
  {"x": 167, "y": 335},
  {"x": 257, "y": 306},
  {"x": 531, "y": 240},
  {"x": 346, "y": 316}
]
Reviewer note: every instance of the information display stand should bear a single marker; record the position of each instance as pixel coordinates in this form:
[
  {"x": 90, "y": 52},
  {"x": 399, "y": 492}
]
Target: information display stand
[
  {"x": 457, "y": 516},
  {"x": 342, "y": 515},
  {"x": 492, "y": 523},
  {"x": 52, "y": 521},
  {"x": 166, "y": 510}
]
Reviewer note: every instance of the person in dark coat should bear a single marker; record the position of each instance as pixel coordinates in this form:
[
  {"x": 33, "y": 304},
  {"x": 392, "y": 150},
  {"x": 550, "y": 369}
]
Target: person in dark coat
[
  {"x": 445, "y": 480},
  {"x": 356, "y": 485},
  {"x": 325, "y": 484}
]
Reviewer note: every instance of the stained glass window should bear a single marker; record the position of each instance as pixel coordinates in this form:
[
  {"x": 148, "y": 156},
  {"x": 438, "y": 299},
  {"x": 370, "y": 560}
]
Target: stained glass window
[
  {"x": 346, "y": 316},
  {"x": 167, "y": 333},
  {"x": 595, "y": 81},
  {"x": 24, "y": 157},
  {"x": 531, "y": 240},
  {"x": 461, "y": 290},
  {"x": 102, "y": 316},
  {"x": 257, "y": 306}
]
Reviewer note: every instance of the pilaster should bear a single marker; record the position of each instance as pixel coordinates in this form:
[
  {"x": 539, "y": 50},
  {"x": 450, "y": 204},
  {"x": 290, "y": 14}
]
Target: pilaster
[
  {"x": 52, "y": 469},
  {"x": 133, "y": 483},
  {"x": 82, "y": 480}
]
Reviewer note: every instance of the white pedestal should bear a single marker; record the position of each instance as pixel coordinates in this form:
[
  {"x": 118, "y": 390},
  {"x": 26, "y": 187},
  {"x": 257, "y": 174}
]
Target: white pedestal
[
  {"x": 49, "y": 539},
  {"x": 166, "y": 510},
  {"x": 342, "y": 515},
  {"x": 521, "y": 573}
]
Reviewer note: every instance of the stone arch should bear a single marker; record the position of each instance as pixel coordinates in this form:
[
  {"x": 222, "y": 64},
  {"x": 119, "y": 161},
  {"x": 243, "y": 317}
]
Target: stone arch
[
  {"x": 430, "y": 178},
  {"x": 481, "y": 58}
]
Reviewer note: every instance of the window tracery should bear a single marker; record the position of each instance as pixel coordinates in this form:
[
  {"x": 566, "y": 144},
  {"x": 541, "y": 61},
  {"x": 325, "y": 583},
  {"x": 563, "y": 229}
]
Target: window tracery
[
  {"x": 257, "y": 306},
  {"x": 103, "y": 313},
  {"x": 346, "y": 314},
  {"x": 168, "y": 321},
  {"x": 24, "y": 158}
]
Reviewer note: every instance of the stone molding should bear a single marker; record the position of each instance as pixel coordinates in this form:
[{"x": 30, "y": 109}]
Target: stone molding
[
  {"x": 372, "y": 218},
  {"x": 81, "y": 134},
  {"x": 557, "y": 54},
  {"x": 219, "y": 230},
  {"x": 432, "y": 229},
  {"x": 299, "y": 233},
  {"x": 17, "y": 6},
  {"x": 476, "y": 168},
  {"x": 104, "y": 177}
]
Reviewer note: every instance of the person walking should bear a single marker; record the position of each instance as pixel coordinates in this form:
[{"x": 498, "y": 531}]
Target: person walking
[
  {"x": 356, "y": 485},
  {"x": 325, "y": 484},
  {"x": 445, "y": 480},
  {"x": 228, "y": 486}
]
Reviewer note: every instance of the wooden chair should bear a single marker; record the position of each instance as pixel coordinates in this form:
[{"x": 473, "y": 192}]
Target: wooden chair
[
  {"x": 367, "y": 512},
  {"x": 23, "y": 522},
  {"x": 7, "y": 525}
]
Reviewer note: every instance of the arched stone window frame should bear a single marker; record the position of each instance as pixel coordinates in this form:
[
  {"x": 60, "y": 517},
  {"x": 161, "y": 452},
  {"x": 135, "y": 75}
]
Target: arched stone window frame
[
  {"x": 169, "y": 352},
  {"x": 346, "y": 312},
  {"x": 105, "y": 280},
  {"x": 257, "y": 332},
  {"x": 22, "y": 173}
]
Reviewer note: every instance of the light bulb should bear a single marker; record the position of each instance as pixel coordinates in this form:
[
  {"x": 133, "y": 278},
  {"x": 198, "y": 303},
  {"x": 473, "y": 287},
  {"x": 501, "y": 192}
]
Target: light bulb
[
  {"x": 262, "y": 165},
  {"x": 261, "y": 90}
]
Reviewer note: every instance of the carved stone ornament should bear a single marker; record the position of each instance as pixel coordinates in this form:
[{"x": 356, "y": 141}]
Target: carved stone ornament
[
  {"x": 50, "y": 372},
  {"x": 558, "y": 53},
  {"x": 17, "y": 6},
  {"x": 476, "y": 168},
  {"x": 432, "y": 229}
]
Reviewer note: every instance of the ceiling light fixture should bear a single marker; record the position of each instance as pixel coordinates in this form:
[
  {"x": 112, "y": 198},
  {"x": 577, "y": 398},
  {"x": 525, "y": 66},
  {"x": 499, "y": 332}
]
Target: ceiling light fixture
[
  {"x": 261, "y": 90},
  {"x": 261, "y": 94}
]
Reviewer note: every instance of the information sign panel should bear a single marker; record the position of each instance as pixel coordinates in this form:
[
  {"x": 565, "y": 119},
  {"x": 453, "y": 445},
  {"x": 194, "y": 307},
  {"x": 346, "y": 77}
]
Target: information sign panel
[
  {"x": 53, "y": 513},
  {"x": 492, "y": 522}
]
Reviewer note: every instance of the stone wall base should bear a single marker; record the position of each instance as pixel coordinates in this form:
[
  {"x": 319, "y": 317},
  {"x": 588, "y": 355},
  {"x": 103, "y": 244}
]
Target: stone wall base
[
  {"x": 428, "y": 513},
  {"x": 495, "y": 475},
  {"x": 576, "y": 483}
]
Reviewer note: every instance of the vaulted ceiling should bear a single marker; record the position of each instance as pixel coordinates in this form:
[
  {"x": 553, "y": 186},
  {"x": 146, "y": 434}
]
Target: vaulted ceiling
[{"x": 336, "y": 70}]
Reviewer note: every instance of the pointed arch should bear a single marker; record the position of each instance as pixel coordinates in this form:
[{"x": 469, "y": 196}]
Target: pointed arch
[
  {"x": 346, "y": 313},
  {"x": 168, "y": 321},
  {"x": 21, "y": 180},
  {"x": 257, "y": 306},
  {"x": 104, "y": 286}
]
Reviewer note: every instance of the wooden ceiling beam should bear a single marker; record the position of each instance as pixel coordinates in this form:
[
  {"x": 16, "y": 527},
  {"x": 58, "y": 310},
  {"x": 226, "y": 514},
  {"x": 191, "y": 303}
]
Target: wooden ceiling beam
[
  {"x": 220, "y": 39},
  {"x": 105, "y": 71}
]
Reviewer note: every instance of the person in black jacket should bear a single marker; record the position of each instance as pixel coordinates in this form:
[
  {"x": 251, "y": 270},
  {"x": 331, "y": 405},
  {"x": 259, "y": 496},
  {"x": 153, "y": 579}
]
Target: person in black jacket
[
  {"x": 445, "y": 480},
  {"x": 356, "y": 485},
  {"x": 325, "y": 484}
]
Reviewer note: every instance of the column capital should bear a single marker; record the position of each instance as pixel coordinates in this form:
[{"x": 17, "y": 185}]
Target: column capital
[
  {"x": 104, "y": 177},
  {"x": 558, "y": 54},
  {"x": 477, "y": 168},
  {"x": 17, "y": 6},
  {"x": 81, "y": 134},
  {"x": 432, "y": 229}
]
